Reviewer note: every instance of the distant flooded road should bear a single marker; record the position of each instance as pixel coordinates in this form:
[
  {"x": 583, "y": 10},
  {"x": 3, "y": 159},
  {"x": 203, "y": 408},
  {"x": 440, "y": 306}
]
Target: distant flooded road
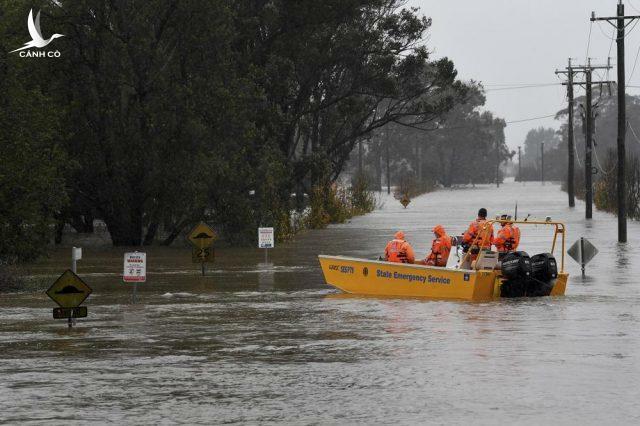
[{"x": 253, "y": 344}]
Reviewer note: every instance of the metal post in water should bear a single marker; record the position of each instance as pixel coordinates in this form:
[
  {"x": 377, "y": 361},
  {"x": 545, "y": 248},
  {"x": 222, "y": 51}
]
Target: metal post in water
[
  {"x": 266, "y": 256},
  {"x": 582, "y": 264},
  {"x": 203, "y": 268},
  {"x": 135, "y": 292},
  {"x": 73, "y": 262}
]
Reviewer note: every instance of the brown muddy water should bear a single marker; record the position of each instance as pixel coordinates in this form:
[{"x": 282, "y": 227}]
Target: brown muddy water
[{"x": 250, "y": 343}]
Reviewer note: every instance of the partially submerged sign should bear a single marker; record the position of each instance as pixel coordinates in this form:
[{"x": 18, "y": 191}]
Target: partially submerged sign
[
  {"x": 266, "y": 238},
  {"x": 202, "y": 255},
  {"x": 64, "y": 313},
  {"x": 582, "y": 251},
  {"x": 202, "y": 236},
  {"x": 135, "y": 267},
  {"x": 69, "y": 291}
]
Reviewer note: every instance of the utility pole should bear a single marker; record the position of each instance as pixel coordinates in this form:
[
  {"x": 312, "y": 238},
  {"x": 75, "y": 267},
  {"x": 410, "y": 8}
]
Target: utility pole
[
  {"x": 621, "y": 22},
  {"x": 387, "y": 143},
  {"x": 360, "y": 149},
  {"x": 520, "y": 164},
  {"x": 542, "y": 162},
  {"x": 570, "y": 140},
  {"x": 497, "y": 163},
  {"x": 587, "y": 70},
  {"x": 588, "y": 168}
]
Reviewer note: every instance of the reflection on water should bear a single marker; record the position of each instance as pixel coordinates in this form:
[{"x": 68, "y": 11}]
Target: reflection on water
[{"x": 256, "y": 343}]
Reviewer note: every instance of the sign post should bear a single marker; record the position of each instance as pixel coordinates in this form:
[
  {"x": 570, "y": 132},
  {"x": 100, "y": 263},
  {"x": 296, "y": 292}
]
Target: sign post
[
  {"x": 266, "y": 240},
  {"x": 135, "y": 270},
  {"x": 76, "y": 254},
  {"x": 69, "y": 291},
  {"x": 202, "y": 238},
  {"x": 582, "y": 251}
]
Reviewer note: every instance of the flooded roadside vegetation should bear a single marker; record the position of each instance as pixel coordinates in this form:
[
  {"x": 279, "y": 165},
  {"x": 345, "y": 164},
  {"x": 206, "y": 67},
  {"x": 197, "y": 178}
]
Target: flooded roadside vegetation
[{"x": 272, "y": 212}]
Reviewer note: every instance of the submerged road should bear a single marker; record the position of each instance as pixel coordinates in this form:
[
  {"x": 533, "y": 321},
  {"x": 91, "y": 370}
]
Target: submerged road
[{"x": 254, "y": 344}]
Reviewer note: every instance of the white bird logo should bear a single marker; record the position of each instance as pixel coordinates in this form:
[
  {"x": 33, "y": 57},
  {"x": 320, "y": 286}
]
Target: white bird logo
[{"x": 36, "y": 34}]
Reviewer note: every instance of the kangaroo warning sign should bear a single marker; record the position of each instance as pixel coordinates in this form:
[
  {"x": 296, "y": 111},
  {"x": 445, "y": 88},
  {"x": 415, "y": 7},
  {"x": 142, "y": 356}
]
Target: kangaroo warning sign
[{"x": 135, "y": 267}]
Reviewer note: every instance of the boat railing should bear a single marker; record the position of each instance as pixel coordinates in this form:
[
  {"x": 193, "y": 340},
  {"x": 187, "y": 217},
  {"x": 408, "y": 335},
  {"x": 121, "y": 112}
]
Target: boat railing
[{"x": 480, "y": 240}]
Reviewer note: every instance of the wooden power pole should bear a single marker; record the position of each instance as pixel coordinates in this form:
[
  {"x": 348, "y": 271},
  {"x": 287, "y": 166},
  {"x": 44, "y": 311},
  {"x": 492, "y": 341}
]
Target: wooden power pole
[
  {"x": 519, "y": 164},
  {"x": 570, "y": 138},
  {"x": 620, "y": 22},
  {"x": 587, "y": 70}
]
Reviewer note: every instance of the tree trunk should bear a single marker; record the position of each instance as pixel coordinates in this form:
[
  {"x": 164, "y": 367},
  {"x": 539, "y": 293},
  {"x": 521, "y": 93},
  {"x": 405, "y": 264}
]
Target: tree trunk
[
  {"x": 175, "y": 231},
  {"x": 152, "y": 230},
  {"x": 125, "y": 230}
]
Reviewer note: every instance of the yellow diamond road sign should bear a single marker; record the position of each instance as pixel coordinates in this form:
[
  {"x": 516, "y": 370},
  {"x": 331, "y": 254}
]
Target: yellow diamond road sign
[
  {"x": 202, "y": 236},
  {"x": 69, "y": 291}
]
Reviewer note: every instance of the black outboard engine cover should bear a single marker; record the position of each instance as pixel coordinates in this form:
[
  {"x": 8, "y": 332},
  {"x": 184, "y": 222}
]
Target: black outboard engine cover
[
  {"x": 544, "y": 271},
  {"x": 516, "y": 270},
  {"x": 516, "y": 265},
  {"x": 544, "y": 267}
]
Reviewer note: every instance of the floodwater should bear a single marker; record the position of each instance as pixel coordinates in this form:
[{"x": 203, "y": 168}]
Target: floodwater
[{"x": 251, "y": 343}]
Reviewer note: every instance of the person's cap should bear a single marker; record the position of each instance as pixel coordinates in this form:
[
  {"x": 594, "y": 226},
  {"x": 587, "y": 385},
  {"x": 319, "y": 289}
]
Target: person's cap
[
  {"x": 399, "y": 235},
  {"x": 482, "y": 212}
]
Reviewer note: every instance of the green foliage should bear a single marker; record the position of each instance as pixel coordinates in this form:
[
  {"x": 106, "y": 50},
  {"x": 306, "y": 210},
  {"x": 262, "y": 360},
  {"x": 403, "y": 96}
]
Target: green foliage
[
  {"x": 461, "y": 146},
  {"x": 554, "y": 160},
  {"x": 179, "y": 111},
  {"x": 32, "y": 160},
  {"x": 331, "y": 203},
  {"x": 362, "y": 199},
  {"x": 605, "y": 188}
]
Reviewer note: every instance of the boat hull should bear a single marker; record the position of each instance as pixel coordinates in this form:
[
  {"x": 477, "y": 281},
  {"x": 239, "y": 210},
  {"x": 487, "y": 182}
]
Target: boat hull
[{"x": 378, "y": 278}]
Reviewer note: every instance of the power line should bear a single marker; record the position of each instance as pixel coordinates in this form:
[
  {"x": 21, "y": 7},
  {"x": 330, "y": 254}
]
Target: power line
[
  {"x": 412, "y": 126},
  {"x": 595, "y": 152},
  {"x": 532, "y": 86},
  {"x": 633, "y": 132},
  {"x": 586, "y": 57},
  {"x": 635, "y": 62},
  {"x": 531, "y": 119},
  {"x": 614, "y": 38},
  {"x": 516, "y": 84}
]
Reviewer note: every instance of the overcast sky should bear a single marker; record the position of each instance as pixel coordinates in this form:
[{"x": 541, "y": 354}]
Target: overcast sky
[{"x": 512, "y": 42}]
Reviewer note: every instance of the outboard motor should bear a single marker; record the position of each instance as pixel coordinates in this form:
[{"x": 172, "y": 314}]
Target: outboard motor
[
  {"x": 516, "y": 272},
  {"x": 544, "y": 271}
]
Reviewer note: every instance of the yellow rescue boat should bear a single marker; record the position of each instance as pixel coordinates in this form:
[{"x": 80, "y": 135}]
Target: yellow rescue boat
[{"x": 483, "y": 279}]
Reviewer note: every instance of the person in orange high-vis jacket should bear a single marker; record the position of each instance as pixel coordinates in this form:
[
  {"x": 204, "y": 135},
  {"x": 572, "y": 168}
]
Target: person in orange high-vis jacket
[
  {"x": 440, "y": 248},
  {"x": 399, "y": 250},
  {"x": 508, "y": 237},
  {"x": 479, "y": 233}
]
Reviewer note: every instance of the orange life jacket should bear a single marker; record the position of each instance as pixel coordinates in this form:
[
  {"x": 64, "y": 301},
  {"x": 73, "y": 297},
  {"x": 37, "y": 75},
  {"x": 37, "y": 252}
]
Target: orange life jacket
[
  {"x": 475, "y": 230},
  {"x": 508, "y": 238},
  {"x": 440, "y": 249},
  {"x": 399, "y": 251}
]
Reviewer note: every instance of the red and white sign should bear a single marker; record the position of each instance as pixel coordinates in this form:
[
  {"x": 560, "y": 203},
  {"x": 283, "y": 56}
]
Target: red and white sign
[{"x": 135, "y": 267}]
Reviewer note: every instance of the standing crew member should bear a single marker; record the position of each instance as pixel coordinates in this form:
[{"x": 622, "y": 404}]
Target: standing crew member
[
  {"x": 479, "y": 233},
  {"x": 398, "y": 250},
  {"x": 440, "y": 248},
  {"x": 508, "y": 237}
]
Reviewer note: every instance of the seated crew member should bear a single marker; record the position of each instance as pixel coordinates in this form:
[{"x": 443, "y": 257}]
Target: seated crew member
[
  {"x": 440, "y": 248},
  {"x": 479, "y": 233},
  {"x": 508, "y": 237},
  {"x": 399, "y": 250}
]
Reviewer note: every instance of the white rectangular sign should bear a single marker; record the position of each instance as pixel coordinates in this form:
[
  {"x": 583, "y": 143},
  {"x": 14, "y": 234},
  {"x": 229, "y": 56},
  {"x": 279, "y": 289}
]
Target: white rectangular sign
[
  {"x": 76, "y": 253},
  {"x": 265, "y": 238},
  {"x": 135, "y": 267}
]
